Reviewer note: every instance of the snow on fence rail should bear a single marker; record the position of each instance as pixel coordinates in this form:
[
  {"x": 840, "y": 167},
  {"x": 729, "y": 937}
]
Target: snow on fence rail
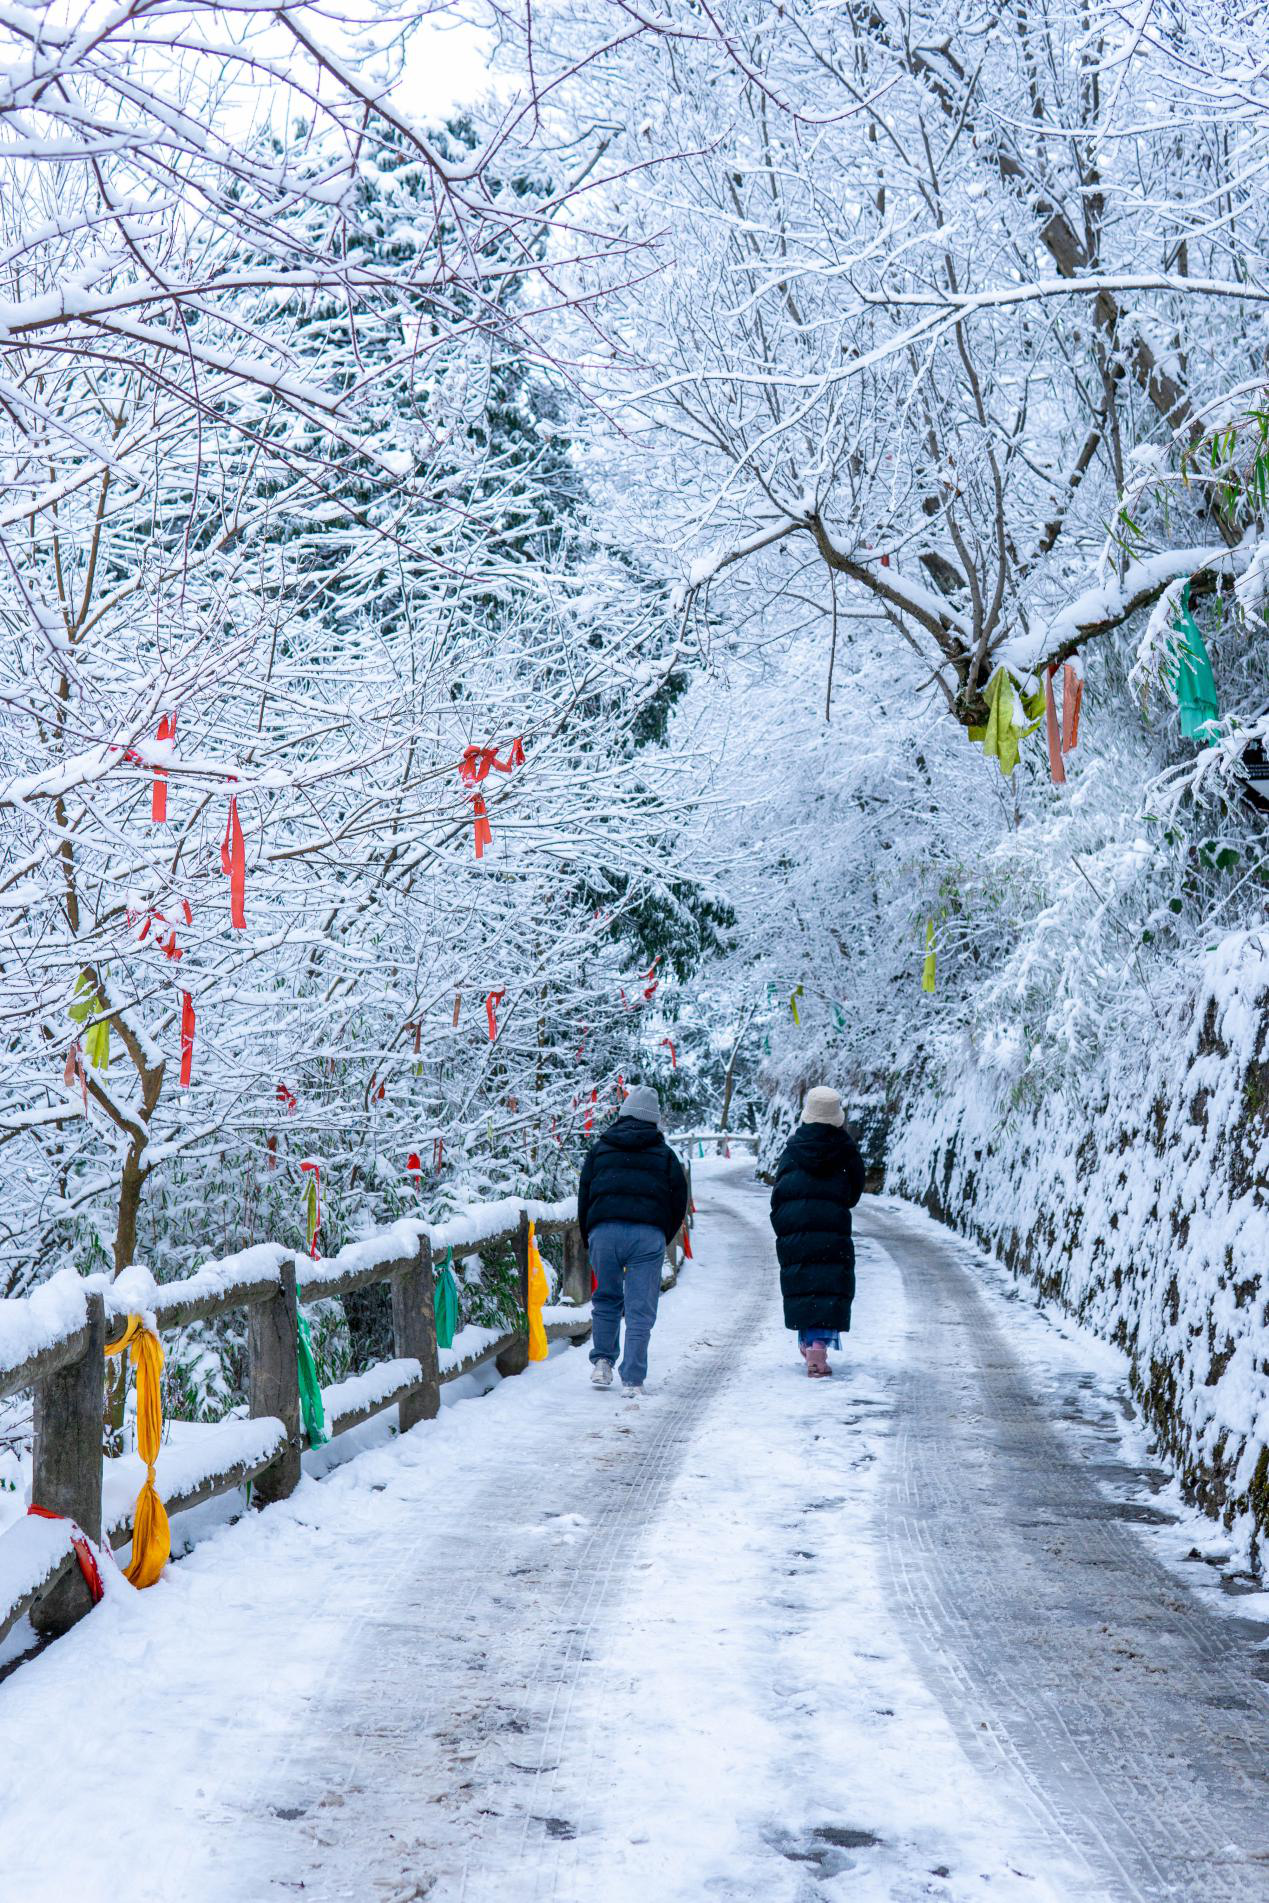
[{"x": 53, "y": 1342}]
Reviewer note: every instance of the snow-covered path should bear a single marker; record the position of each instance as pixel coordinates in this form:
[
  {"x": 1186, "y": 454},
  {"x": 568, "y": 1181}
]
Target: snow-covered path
[{"x": 752, "y": 1638}]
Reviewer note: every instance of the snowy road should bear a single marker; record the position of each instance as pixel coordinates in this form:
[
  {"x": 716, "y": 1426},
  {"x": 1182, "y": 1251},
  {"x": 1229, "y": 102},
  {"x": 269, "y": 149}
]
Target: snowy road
[{"x": 754, "y": 1638}]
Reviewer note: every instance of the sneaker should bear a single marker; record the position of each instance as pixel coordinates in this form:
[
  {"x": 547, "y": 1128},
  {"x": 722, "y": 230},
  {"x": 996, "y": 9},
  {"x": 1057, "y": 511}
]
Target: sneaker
[
  {"x": 601, "y": 1374},
  {"x": 630, "y": 1391}
]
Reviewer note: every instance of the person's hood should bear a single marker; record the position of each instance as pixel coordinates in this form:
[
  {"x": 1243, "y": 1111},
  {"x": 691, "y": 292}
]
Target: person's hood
[
  {"x": 820, "y": 1148},
  {"x": 632, "y": 1133}
]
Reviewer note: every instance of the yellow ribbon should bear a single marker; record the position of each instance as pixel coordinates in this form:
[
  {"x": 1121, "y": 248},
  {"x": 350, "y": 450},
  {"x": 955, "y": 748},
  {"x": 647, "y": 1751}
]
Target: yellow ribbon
[
  {"x": 151, "y": 1534},
  {"x": 929, "y": 968},
  {"x": 793, "y": 1004},
  {"x": 539, "y": 1289}
]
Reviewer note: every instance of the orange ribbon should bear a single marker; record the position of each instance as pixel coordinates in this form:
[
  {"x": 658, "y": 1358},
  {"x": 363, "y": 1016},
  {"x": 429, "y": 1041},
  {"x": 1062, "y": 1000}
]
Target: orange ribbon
[
  {"x": 494, "y": 999},
  {"x": 674, "y": 1059}
]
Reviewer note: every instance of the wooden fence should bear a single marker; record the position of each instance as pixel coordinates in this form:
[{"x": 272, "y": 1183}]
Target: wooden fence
[{"x": 76, "y": 1321}]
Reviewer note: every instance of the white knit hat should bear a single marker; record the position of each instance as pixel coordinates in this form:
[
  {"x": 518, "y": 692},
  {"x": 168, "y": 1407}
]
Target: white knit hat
[
  {"x": 642, "y": 1102},
  {"x": 823, "y": 1105}
]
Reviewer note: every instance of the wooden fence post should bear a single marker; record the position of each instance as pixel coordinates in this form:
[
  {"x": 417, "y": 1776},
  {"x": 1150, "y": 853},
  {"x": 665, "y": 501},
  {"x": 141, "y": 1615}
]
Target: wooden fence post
[
  {"x": 274, "y": 1385},
  {"x": 515, "y": 1359},
  {"x": 414, "y": 1335},
  {"x": 66, "y": 1467},
  {"x": 575, "y": 1281}
]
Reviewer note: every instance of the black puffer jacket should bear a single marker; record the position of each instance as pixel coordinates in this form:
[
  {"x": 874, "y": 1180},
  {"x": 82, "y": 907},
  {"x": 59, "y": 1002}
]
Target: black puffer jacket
[
  {"x": 819, "y": 1179},
  {"x": 632, "y": 1175}
]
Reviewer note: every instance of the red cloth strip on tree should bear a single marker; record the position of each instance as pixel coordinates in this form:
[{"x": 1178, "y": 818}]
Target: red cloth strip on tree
[
  {"x": 158, "y": 792},
  {"x": 233, "y": 863},
  {"x": 492, "y": 1002}
]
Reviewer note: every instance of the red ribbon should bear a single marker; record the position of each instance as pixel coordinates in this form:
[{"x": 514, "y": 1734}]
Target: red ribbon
[
  {"x": 169, "y": 948},
  {"x": 687, "y": 1243},
  {"x": 1057, "y": 772},
  {"x": 75, "y": 1069},
  {"x": 188, "y": 1026},
  {"x": 287, "y": 1097},
  {"x": 484, "y": 831},
  {"x": 652, "y": 981},
  {"x": 316, "y": 1171},
  {"x": 233, "y": 863},
  {"x": 414, "y": 1166},
  {"x": 438, "y": 1154},
  {"x": 494, "y": 999},
  {"x": 589, "y": 1124},
  {"x": 83, "y": 1552},
  {"x": 476, "y": 762},
  {"x": 674, "y": 1059},
  {"x": 158, "y": 792},
  {"x": 1072, "y": 695}
]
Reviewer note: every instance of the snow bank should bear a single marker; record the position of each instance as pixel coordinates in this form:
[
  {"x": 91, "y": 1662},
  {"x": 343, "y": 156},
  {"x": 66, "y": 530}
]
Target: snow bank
[
  {"x": 469, "y": 1345},
  {"x": 1139, "y": 1201},
  {"x": 363, "y": 1392},
  {"x": 30, "y": 1553},
  {"x": 193, "y": 1454},
  {"x": 49, "y": 1315}
]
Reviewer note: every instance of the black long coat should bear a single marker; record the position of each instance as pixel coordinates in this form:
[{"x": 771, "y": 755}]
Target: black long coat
[
  {"x": 819, "y": 1179},
  {"x": 630, "y": 1174}
]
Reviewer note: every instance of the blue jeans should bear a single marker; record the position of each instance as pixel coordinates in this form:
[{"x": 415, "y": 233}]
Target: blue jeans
[{"x": 627, "y": 1258}]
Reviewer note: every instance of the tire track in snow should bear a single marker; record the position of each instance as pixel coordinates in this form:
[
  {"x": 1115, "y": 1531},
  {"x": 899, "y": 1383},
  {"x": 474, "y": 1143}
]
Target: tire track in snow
[
  {"x": 432, "y": 1767},
  {"x": 1054, "y": 1640}
]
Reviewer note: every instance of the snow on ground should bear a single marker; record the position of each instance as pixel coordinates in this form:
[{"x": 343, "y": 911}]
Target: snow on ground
[{"x": 555, "y": 1644}]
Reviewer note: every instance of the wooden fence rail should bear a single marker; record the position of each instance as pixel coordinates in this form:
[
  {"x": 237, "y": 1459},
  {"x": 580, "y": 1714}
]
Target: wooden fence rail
[{"x": 67, "y": 1324}]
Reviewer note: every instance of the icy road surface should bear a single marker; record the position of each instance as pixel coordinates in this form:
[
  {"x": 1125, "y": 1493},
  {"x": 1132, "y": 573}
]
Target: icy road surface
[{"x": 892, "y": 1636}]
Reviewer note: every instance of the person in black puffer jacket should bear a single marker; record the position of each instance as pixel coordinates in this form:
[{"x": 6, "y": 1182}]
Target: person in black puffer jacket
[
  {"x": 631, "y": 1201},
  {"x": 818, "y": 1181}
]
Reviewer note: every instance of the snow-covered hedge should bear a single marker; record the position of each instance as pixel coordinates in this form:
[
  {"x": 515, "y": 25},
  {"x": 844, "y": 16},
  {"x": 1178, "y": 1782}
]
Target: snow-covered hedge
[{"x": 1139, "y": 1198}]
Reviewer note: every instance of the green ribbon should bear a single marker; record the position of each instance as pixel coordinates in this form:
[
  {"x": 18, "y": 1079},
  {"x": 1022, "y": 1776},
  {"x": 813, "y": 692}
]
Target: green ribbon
[
  {"x": 1000, "y": 737},
  {"x": 1195, "y": 689},
  {"x": 89, "y": 1003},
  {"x": 310, "y": 1387},
  {"x": 446, "y": 1303}
]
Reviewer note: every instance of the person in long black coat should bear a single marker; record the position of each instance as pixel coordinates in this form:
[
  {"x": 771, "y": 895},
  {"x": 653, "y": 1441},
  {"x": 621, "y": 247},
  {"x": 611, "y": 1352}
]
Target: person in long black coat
[{"x": 818, "y": 1181}]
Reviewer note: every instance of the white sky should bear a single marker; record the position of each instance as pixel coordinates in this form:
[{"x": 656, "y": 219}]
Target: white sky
[{"x": 445, "y": 67}]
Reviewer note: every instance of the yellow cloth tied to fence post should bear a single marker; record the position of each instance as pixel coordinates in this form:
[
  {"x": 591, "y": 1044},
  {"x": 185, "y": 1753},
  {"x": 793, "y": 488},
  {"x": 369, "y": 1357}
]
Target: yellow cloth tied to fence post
[
  {"x": 151, "y": 1534},
  {"x": 539, "y": 1289}
]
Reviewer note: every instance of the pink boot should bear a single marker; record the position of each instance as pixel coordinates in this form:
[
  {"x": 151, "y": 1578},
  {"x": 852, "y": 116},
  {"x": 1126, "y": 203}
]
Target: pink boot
[{"x": 817, "y": 1360}]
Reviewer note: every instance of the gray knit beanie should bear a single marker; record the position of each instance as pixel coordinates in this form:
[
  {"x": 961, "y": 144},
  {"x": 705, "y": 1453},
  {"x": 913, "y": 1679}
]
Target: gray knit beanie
[
  {"x": 823, "y": 1105},
  {"x": 642, "y": 1102}
]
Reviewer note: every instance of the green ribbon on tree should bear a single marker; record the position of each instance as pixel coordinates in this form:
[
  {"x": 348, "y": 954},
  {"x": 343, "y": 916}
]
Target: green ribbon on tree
[
  {"x": 89, "y": 1003},
  {"x": 1195, "y": 689},
  {"x": 929, "y": 969},
  {"x": 446, "y": 1303},
  {"x": 1000, "y": 737},
  {"x": 310, "y": 1387}
]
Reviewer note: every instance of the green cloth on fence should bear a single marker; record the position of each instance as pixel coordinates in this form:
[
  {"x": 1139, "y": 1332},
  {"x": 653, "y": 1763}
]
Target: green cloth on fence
[
  {"x": 446, "y": 1303},
  {"x": 90, "y": 1004},
  {"x": 1194, "y": 686},
  {"x": 310, "y": 1387}
]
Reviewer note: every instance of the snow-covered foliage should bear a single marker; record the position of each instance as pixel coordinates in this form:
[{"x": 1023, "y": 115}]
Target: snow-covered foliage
[{"x": 292, "y": 524}]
